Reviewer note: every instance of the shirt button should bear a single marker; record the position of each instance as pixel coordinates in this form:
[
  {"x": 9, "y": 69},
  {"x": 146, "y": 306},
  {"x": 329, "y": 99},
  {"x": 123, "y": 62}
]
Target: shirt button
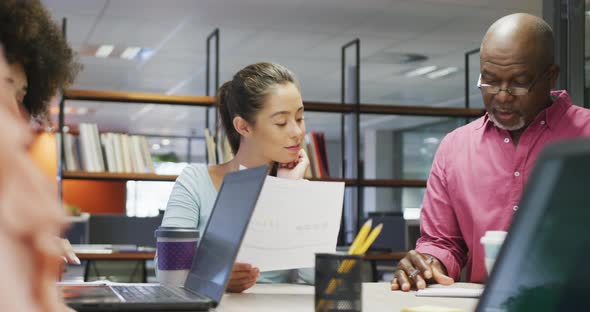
[
  {"x": 506, "y": 140},
  {"x": 517, "y": 174},
  {"x": 515, "y": 208},
  {"x": 542, "y": 122}
]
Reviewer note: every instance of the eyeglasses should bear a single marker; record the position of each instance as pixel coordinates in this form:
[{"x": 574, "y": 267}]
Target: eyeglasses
[{"x": 514, "y": 91}]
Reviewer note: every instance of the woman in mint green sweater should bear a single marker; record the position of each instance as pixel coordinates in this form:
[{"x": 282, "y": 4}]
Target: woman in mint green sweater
[{"x": 262, "y": 114}]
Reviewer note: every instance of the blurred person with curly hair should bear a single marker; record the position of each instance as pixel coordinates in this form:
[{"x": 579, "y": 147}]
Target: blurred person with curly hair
[
  {"x": 39, "y": 63},
  {"x": 30, "y": 217},
  {"x": 39, "y": 57}
]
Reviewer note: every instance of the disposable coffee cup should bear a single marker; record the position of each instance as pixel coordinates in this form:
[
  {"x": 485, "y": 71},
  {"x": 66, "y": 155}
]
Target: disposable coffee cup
[
  {"x": 492, "y": 242},
  {"x": 175, "y": 250}
]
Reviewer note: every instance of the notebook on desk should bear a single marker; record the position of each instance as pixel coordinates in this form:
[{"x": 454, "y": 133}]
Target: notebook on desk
[{"x": 211, "y": 267}]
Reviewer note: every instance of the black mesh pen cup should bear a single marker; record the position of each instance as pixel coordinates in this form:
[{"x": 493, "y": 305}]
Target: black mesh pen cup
[{"x": 338, "y": 282}]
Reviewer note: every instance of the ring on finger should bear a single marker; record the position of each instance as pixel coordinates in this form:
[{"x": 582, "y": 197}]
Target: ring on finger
[{"x": 413, "y": 273}]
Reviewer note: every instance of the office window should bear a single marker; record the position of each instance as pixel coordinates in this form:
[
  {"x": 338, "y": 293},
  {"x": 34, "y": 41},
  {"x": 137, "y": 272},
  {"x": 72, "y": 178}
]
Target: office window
[
  {"x": 170, "y": 156},
  {"x": 475, "y": 99},
  {"x": 391, "y": 199},
  {"x": 419, "y": 145},
  {"x": 402, "y": 147},
  {"x": 147, "y": 198}
]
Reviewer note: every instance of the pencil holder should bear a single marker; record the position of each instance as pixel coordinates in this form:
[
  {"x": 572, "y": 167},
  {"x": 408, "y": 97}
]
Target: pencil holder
[{"x": 338, "y": 282}]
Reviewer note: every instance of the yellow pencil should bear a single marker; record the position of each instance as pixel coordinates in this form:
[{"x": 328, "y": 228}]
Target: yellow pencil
[
  {"x": 360, "y": 236},
  {"x": 348, "y": 264},
  {"x": 369, "y": 241},
  {"x": 359, "y": 246}
]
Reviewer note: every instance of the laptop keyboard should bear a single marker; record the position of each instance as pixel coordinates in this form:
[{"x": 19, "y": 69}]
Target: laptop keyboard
[{"x": 149, "y": 294}]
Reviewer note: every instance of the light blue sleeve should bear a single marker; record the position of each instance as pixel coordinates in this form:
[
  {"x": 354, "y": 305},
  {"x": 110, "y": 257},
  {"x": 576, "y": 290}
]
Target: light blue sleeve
[
  {"x": 190, "y": 199},
  {"x": 183, "y": 205},
  {"x": 297, "y": 276}
]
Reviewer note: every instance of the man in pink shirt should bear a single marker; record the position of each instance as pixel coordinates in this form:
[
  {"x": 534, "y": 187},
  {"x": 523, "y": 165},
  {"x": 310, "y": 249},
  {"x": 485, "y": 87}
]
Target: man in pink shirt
[{"x": 479, "y": 170}]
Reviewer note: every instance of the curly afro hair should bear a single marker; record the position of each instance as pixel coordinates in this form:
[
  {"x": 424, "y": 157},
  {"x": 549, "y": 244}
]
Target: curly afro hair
[{"x": 31, "y": 38}]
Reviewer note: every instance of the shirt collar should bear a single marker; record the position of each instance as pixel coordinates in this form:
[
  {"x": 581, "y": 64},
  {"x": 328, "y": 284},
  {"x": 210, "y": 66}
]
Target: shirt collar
[
  {"x": 483, "y": 121},
  {"x": 551, "y": 114}
]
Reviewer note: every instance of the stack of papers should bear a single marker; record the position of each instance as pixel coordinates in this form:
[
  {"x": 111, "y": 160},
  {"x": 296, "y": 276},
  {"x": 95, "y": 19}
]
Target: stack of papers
[
  {"x": 457, "y": 290},
  {"x": 428, "y": 308}
]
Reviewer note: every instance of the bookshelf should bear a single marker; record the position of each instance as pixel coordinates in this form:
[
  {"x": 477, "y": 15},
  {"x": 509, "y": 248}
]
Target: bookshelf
[
  {"x": 209, "y": 101},
  {"x": 109, "y": 176},
  {"x": 138, "y": 97}
]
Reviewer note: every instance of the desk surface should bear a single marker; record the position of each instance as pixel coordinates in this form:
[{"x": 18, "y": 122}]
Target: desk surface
[
  {"x": 294, "y": 298},
  {"x": 113, "y": 252},
  {"x": 135, "y": 255},
  {"x": 385, "y": 256}
]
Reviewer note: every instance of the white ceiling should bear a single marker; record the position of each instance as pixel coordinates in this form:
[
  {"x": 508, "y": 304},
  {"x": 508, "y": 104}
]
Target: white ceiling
[{"x": 304, "y": 35}]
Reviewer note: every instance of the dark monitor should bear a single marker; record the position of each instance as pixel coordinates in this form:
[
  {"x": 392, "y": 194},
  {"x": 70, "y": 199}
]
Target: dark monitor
[
  {"x": 123, "y": 230},
  {"x": 542, "y": 265},
  {"x": 393, "y": 235}
]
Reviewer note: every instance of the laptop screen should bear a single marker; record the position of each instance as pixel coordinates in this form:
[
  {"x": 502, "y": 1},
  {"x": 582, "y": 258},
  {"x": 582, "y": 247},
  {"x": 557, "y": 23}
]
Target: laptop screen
[
  {"x": 542, "y": 265},
  {"x": 220, "y": 243}
]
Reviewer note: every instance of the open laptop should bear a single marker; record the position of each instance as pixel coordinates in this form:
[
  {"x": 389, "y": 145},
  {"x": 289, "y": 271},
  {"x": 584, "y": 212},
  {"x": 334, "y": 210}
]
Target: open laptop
[
  {"x": 543, "y": 264},
  {"x": 211, "y": 267}
]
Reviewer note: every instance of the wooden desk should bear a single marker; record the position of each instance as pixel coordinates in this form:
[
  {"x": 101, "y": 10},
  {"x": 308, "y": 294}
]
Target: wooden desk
[
  {"x": 117, "y": 255},
  {"x": 373, "y": 257},
  {"x": 114, "y": 255},
  {"x": 295, "y": 298},
  {"x": 385, "y": 256}
]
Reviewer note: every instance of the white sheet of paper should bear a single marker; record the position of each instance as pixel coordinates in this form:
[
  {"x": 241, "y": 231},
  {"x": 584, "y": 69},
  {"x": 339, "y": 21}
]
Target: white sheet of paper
[
  {"x": 293, "y": 220},
  {"x": 457, "y": 290}
]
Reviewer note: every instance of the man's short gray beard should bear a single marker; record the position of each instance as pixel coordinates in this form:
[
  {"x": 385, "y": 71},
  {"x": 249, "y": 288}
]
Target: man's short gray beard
[{"x": 518, "y": 126}]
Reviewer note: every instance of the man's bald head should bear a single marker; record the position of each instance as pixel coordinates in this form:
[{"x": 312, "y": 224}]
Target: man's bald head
[{"x": 523, "y": 36}]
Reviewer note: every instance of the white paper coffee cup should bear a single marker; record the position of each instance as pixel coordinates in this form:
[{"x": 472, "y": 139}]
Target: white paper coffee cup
[{"x": 492, "y": 242}]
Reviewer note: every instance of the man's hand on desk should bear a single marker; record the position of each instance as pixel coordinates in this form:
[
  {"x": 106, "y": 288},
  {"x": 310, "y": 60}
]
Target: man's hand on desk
[
  {"x": 416, "y": 269},
  {"x": 243, "y": 276}
]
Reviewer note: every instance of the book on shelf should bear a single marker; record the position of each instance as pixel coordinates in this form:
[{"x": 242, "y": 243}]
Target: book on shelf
[
  {"x": 127, "y": 165},
  {"x": 146, "y": 154},
  {"x": 210, "y": 148},
  {"x": 308, "y": 172},
  {"x": 86, "y": 160},
  {"x": 106, "y": 152},
  {"x": 70, "y": 150},
  {"x": 109, "y": 152},
  {"x": 217, "y": 153},
  {"x": 225, "y": 153},
  {"x": 315, "y": 147},
  {"x": 323, "y": 153}
]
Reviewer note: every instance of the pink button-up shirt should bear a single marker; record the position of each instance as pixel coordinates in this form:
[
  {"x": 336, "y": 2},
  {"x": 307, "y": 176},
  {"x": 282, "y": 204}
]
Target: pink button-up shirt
[{"x": 476, "y": 181}]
